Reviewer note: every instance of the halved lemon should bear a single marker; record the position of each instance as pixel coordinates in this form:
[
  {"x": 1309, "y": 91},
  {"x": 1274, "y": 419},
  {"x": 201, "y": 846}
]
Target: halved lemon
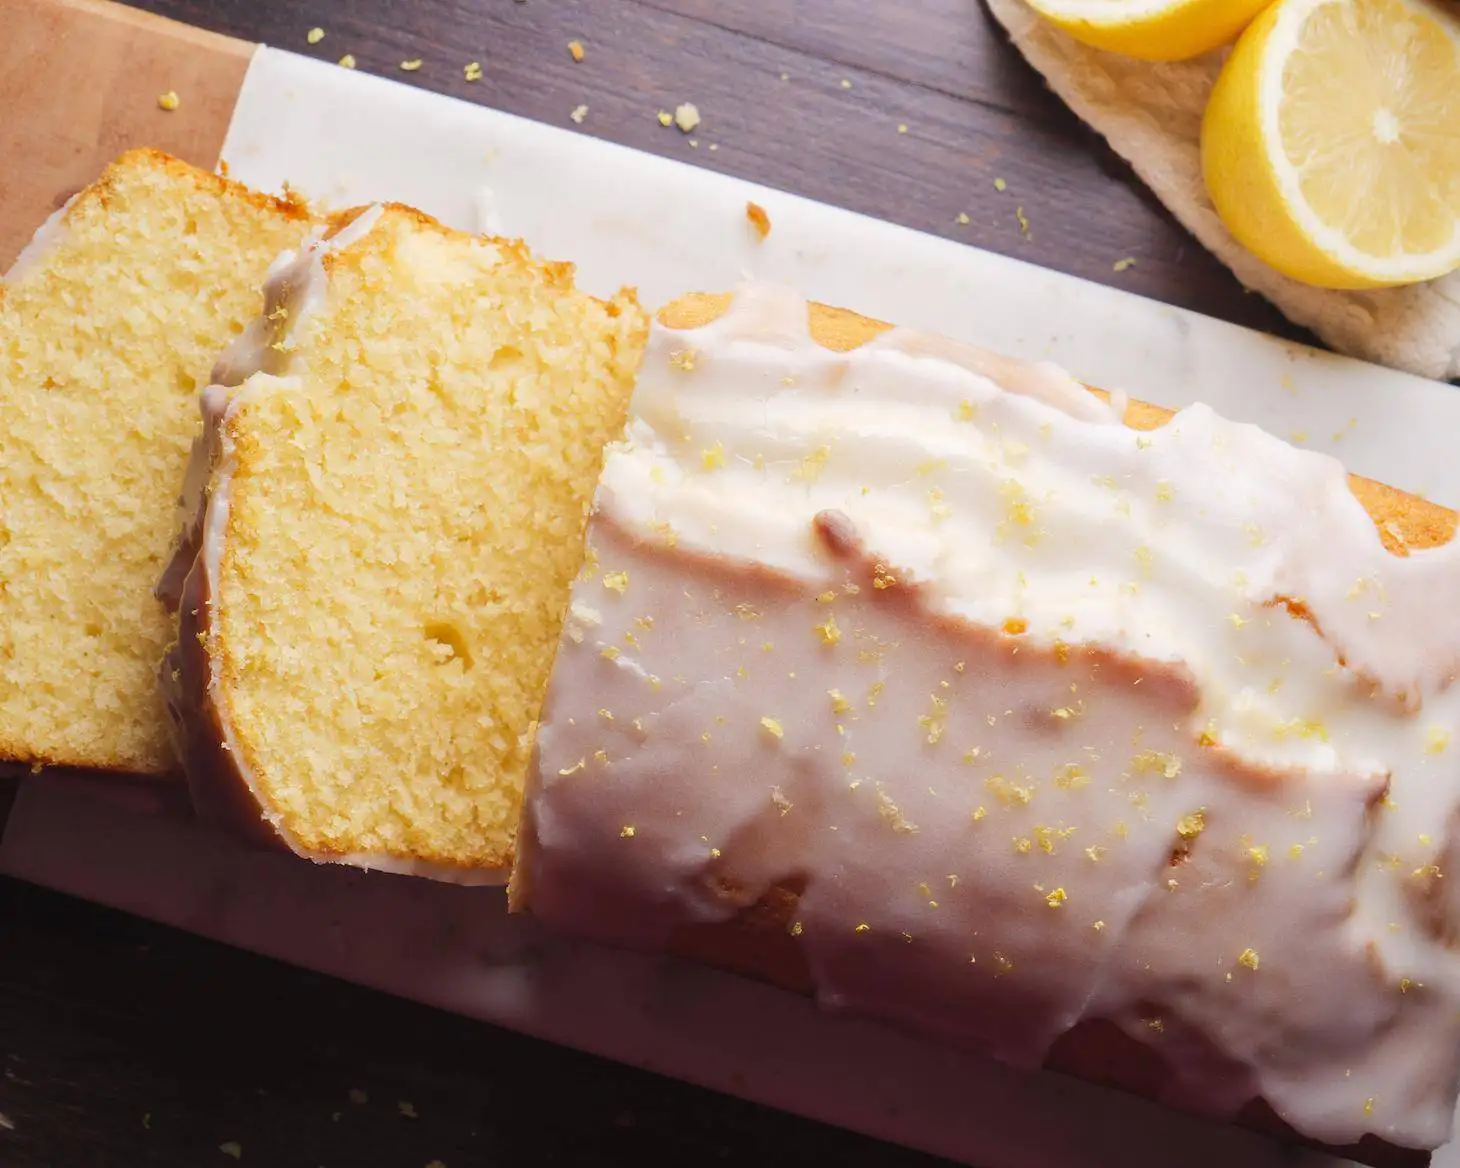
[
  {"x": 1153, "y": 30},
  {"x": 1331, "y": 143}
]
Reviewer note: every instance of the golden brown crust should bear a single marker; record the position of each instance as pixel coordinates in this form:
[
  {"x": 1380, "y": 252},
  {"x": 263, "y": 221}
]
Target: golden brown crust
[{"x": 1405, "y": 522}]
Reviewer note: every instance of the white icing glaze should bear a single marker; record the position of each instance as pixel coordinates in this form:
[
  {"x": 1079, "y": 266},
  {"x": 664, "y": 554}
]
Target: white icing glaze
[
  {"x": 266, "y": 359},
  {"x": 1077, "y": 668},
  {"x": 46, "y": 236}
]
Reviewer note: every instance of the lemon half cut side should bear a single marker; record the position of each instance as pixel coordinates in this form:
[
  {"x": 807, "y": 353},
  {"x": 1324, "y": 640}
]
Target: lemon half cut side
[{"x": 1331, "y": 142}]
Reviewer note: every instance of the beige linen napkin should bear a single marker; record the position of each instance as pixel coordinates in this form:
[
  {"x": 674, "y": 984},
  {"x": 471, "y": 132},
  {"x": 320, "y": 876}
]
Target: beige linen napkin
[{"x": 1151, "y": 116}]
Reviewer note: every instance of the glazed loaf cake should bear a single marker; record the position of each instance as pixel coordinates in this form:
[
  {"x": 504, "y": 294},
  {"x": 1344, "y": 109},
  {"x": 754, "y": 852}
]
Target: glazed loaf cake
[
  {"x": 961, "y": 696},
  {"x": 389, "y": 505},
  {"x": 109, "y": 324}
]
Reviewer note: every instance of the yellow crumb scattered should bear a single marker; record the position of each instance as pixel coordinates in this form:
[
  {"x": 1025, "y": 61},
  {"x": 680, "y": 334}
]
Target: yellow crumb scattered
[
  {"x": 314, "y": 36},
  {"x": 410, "y": 66},
  {"x": 828, "y": 631},
  {"x": 575, "y": 48},
  {"x": 846, "y": 84},
  {"x": 406, "y": 1108},
  {"x": 1248, "y": 958},
  {"x": 616, "y": 582},
  {"x": 1122, "y": 264},
  {"x": 863, "y": 928},
  {"x": 772, "y": 727},
  {"x": 626, "y": 831},
  {"x": 714, "y": 457},
  {"x": 347, "y": 61},
  {"x": 758, "y": 218},
  {"x": 665, "y": 118},
  {"x": 579, "y": 113},
  {"x": 683, "y": 360},
  {"x": 1056, "y": 898},
  {"x": 902, "y": 128},
  {"x": 687, "y": 117},
  {"x": 962, "y": 219},
  {"x": 472, "y": 71},
  {"x": 232, "y": 1148},
  {"x": 1023, "y": 223},
  {"x": 1000, "y": 184},
  {"x": 168, "y": 101}
]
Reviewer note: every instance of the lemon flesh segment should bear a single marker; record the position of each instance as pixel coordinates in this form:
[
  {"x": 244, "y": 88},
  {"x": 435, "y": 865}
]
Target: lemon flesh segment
[
  {"x": 1331, "y": 143},
  {"x": 1152, "y": 30}
]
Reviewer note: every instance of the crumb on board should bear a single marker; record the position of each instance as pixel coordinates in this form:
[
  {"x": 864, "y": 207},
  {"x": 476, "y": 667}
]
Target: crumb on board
[
  {"x": 410, "y": 66},
  {"x": 714, "y": 145},
  {"x": 314, "y": 35},
  {"x": 6, "y": 1123},
  {"x": 347, "y": 61},
  {"x": 575, "y": 50},
  {"x": 1121, "y": 265},
  {"x": 695, "y": 142},
  {"x": 785, "y": 77},
  {"x": 407, "y": 1109},
  {"x": 579, "y": 113},
  {"x": 472, "y": 71},
  {"x": 687, "y": 117},
  {"x": 1000, "y": 184},
  {"x": 902, "y": 127},
  {"x": 665, "y": 118},
  {"x": 147, "y": 1121},
  {"x": 168, "y": 101},
  {"x": 232, "y": 1148},
  {"x": 846, "y": 83},
  {"x": 1023, "y": 223},
  {"x": 963, "y": 219},
  {"x": 758, "y": 219}
]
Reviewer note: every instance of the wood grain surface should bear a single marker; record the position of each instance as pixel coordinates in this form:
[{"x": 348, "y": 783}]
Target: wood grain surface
[{"x": 126, "y": 1044}]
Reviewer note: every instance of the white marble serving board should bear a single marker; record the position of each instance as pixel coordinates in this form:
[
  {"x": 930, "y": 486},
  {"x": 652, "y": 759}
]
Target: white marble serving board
[{"x": 665, "y": 227}]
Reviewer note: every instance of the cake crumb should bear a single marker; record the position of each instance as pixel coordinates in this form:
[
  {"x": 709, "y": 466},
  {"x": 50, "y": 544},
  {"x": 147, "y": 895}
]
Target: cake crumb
[
  {"x": 147, "y": 1121},
  {"x": 314, "y": 36},
  {"x": 575, "y": 49},
  {"x": 1122, "y": 264},
  {"x": 1000, "y": 185},
  {"x": 579, "y": 113},
  {"x": 785, "y": 77},
  {"x": 232, "y": 1148},
  {"x": 347, "y": 61},
  {"x": 758, "y": 219},
  {"x": 687, "y": 117},
  {"x": 410, "y": 66},
  {"x": 1023, "y": 223},
  {"x": 772, "y": 727},
  {"x": 168, "y": 101},
  {"x": 846, "y": 84},
  {"x": 407, "y": 1109},
  {"x": 472, "y": 71},
  {"x": 665, "y": 118},
  {"x": 962, "y": 219},
  {"x": 902, "y": 127}
]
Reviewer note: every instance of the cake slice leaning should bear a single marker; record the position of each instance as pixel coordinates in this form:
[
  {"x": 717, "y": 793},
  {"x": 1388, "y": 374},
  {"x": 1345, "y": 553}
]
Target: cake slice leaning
[
  {"x": 399, "y": 479},
  {"x": 109, "y": 324}
]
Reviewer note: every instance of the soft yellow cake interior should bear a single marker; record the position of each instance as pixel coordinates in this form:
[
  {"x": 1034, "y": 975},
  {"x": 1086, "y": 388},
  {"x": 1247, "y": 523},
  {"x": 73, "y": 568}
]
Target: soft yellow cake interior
[
  {"x": 106, "y": 336},
  {"x": 406, "y": 515}
]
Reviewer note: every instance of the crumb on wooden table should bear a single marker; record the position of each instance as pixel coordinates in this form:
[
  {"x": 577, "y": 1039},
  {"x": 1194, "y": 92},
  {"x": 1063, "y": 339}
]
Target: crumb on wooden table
[
  {"x": 665, "y": 118},
  {"x": 410, "y": 66},
  {"x": 1000, "y": 184},
  {"x": 168, "y": 101},
  {"x": 1121, "y": 265},
  {"x": 575, "y": 50},
  {"x": 347, "y": 61},
  {"x": 472, "y": 71},
  {"x": 687, "y": 117},
  {"x": 579, "y": 113},
  {"x": 232, "y": 1148},
  {"x": 314, "y": 35},
  {"x": 758, "y": 219},
  {"x": 963, "y": 219}
]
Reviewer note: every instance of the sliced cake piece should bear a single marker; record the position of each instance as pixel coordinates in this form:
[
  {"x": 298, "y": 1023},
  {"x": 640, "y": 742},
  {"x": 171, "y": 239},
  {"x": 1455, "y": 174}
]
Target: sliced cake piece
[
  {"x": 399, "y": 487},
  {"x": 109, "y": 324}
]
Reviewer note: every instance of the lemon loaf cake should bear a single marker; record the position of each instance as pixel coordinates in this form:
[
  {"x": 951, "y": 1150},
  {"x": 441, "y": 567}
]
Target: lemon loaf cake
[
  {"x": 1098, "y": 738},
  {"x": 400, "y": 478},
  {"x": 109, "y": 324}
]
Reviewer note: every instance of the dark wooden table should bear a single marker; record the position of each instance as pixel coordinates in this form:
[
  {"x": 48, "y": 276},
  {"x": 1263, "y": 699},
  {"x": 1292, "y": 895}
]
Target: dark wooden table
[{"x": 123, "y": 1044}]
